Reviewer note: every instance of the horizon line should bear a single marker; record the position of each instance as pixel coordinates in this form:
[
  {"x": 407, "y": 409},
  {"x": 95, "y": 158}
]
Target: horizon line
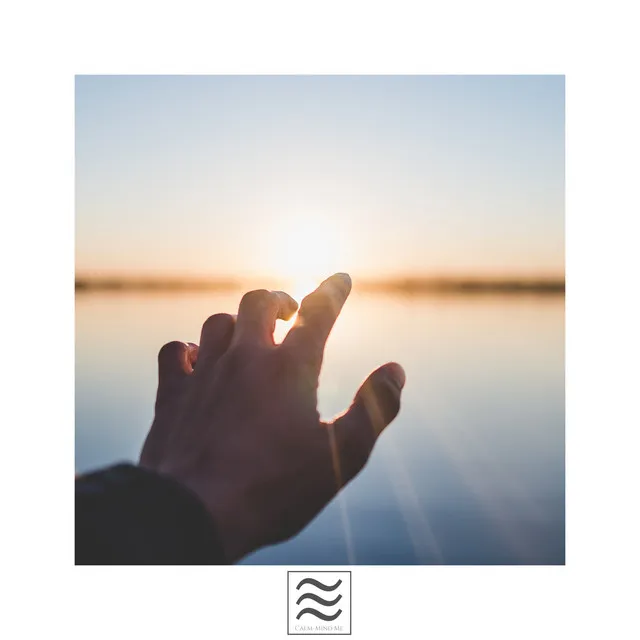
[{"x": 543, "y": 284}]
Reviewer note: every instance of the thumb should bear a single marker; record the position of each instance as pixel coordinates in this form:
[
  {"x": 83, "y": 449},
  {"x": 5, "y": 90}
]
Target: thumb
[{"x": 354, "y": 433}]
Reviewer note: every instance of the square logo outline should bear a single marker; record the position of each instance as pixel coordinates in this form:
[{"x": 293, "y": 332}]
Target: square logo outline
[{"x": 350, "y": 603}]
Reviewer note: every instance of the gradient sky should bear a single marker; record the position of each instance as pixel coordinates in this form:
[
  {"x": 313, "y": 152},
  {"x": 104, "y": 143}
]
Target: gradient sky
[{"x": 375, "y": 175}]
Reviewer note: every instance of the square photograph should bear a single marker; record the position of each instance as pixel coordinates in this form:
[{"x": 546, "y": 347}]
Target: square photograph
[{"x": 320, "y": 321}]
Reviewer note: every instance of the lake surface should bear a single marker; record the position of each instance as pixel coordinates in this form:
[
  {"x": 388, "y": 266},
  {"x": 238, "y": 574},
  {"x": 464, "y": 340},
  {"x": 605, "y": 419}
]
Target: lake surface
[{"x": 471, "y": 471}]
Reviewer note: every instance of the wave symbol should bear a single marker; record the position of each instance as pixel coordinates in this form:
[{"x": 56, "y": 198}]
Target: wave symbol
[
  {"x": 319, "y": 614},
  {"x": 315, "y": 583},
  {"x": 319, "y": 600}
]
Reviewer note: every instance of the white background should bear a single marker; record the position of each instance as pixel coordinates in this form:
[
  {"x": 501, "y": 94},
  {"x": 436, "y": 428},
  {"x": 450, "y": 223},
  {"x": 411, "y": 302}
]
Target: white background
[{"x": 42, "y": 46}]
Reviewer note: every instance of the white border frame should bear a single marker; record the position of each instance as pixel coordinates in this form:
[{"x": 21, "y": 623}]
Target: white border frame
[{"x": 45, "y": 44}]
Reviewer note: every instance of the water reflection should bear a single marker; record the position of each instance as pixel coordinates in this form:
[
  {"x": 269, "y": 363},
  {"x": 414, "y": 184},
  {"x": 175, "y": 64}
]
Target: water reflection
[{"x": 472, "y": 471}]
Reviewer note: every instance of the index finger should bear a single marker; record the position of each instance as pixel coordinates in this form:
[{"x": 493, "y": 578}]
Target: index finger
[{"x": 318, "y": 313}]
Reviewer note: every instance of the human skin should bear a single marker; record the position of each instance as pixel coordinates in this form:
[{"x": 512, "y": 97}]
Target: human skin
[{"x": 236, "y": 418}]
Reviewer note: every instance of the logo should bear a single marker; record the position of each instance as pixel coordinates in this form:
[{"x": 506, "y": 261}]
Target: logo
[{"x": 318, "y": 603}]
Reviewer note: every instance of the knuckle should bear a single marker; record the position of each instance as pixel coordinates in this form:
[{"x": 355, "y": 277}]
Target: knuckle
[
  {"x": 217, "y": 322},
  {"x": 171, "y": 350},
  {"x": 255, "y": 297},
  {"x": 318, "y": 311},
  {"x": 240, "y": 355},
  {"x": 287, "y": 359},
  {"x": 292, "y": 366},
  {"x": 241, "y": 351},
  {"x": 312, "y": 302}
]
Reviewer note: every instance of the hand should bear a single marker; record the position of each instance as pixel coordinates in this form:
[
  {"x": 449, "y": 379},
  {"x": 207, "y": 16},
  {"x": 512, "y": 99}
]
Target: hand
[{"x": 236, "y": 418}]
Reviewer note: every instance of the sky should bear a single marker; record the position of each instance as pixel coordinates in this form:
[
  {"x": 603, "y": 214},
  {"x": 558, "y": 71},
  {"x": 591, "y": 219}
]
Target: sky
[{"x": 380, "y": 176}]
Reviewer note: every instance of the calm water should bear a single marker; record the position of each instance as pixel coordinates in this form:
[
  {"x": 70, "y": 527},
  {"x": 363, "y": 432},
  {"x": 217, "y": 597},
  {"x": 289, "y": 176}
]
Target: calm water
[{"x": 471, "y": 471}]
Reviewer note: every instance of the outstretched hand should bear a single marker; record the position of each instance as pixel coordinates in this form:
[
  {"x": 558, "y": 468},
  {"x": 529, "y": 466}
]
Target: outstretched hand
[{"x": 236, "y": 417}]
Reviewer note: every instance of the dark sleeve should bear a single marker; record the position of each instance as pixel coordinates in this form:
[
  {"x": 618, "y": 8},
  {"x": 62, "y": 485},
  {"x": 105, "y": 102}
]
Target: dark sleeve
[{"x": 128, "y": 515}]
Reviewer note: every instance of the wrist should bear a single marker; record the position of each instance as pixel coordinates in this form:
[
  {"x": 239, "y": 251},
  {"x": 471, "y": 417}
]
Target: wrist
[{"x": 231, "y": 521}]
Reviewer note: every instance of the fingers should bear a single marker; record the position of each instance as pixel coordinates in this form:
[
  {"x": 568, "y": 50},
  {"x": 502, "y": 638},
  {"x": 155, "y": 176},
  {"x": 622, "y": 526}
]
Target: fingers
[
  {"x": 353, "y": 434},
  {"x": 176, "y": 360},
  {"x": 175, "y": 363},
  {"x": 318, "y": 313},
  {"x": 258, "y": 313},
  {"x": 215, "y": 338}
]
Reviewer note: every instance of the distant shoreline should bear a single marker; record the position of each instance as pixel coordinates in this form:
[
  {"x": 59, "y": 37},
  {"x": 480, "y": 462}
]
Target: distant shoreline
[
  {"x": 403, "y": 286},
  {"x": 154, "y": 284},
  {"x": 553, "y": 286}
]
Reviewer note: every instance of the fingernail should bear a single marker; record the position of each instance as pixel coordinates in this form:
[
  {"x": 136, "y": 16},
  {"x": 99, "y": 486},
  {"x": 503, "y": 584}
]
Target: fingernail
[
  {"x": 287, "y": 301},
  {"x": 397, "y": 374},
  {"x": 346, "y": 279}
]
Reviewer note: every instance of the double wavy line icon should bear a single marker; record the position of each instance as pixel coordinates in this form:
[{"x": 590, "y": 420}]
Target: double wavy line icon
[{"x": 319, "y": 600}]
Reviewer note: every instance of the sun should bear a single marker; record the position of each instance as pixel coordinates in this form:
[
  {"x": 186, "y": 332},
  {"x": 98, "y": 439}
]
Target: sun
[{"x": 305, "y": 250}]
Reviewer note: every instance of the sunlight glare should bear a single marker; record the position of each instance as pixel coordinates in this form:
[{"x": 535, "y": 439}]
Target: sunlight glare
[{"x": 303, "y": 251}]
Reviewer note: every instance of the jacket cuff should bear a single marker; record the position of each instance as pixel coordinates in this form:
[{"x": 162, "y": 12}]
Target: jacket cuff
[{"x": 129, "y": 515}]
